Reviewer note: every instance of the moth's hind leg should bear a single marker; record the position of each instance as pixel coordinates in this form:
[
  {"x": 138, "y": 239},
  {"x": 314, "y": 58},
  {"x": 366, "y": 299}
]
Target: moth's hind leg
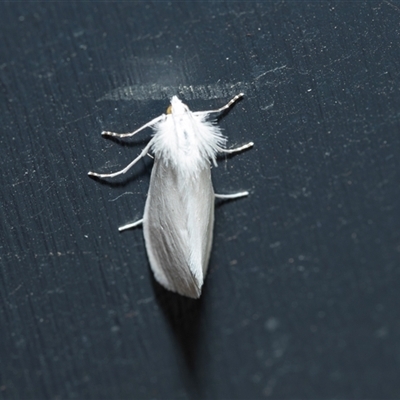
[
  {"x": 231, "y": 196},
  {"x": 131, "y": 225},
  {"x": 237, "y": 149}
]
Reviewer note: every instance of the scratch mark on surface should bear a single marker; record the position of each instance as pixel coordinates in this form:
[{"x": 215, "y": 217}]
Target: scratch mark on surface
[
  {"x": 145, "y": 301},
  {"x": 87, "y": 115},
  {"x": 49, "y": 187},
  {"x": 123, "y": 194},
  {"x": 268, "y": 106},
  {"x": 16, "y": 289},
  {"x": 392, "y": 5},
  {"x": 271, "y": 70},
  {"x": 147, "y": 37}
]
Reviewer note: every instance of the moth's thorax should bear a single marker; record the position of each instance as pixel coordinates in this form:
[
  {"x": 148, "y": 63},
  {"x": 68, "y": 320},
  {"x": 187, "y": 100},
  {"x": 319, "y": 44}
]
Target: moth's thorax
[{"x": 186, "y": 140}]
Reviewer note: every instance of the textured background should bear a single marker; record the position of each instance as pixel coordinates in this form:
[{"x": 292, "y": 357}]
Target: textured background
[{"x": 302, "y": 296}]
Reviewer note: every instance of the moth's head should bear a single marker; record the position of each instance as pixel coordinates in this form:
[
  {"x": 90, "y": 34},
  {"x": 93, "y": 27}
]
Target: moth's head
[{"x": 176, "y": 106}]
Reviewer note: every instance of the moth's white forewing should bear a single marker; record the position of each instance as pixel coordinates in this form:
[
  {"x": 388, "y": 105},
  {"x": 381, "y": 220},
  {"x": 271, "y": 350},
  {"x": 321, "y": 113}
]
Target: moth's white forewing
[{"x": 178, "y": 226}]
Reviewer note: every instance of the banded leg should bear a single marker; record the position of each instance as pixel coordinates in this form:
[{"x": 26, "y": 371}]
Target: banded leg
[
  {"x": 127, "y": 168},
  {"x": 122, "y": 135},
  {"x": 223, "y": 108},
  {"x": 237, "y": 149},
  {"x": 231, "y": 196},
  {"x": 131, "y": 225}
]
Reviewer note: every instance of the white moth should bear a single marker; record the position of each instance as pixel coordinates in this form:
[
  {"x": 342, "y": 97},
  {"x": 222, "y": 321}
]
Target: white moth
[{"x": 178, "y": 216}]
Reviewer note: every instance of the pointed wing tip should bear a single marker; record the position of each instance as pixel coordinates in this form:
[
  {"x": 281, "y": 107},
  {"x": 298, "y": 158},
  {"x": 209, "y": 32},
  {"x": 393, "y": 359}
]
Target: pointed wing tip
[{"x": 193, "y": 292}]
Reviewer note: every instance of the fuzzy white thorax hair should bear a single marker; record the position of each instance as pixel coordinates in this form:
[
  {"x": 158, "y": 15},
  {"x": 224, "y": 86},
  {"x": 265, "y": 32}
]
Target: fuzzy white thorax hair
[{"x": 186, "y": 139}]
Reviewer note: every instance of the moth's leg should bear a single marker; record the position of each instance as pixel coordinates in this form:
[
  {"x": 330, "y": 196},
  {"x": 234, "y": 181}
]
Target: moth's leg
[
  {"x": 131, "y": 225},
  {"x": 122, "y": 135},
  {"x": 127, "y": 168},
  {"x": 225, "y": 107},
  {"x": 241, "y": 148},
  {"x": 231, "y": 196}
]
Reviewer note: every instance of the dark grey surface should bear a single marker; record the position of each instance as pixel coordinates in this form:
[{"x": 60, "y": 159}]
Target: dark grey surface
[{"x": 302, "y": 296}]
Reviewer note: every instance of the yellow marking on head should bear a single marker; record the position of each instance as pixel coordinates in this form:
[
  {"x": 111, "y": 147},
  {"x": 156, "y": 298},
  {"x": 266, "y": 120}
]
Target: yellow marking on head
[{"x": 169, "y": 110}]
